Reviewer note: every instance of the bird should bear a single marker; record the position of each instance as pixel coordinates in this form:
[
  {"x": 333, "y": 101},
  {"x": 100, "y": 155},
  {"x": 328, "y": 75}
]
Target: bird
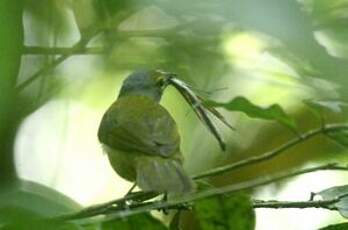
[{"x": 141, "y": 138}]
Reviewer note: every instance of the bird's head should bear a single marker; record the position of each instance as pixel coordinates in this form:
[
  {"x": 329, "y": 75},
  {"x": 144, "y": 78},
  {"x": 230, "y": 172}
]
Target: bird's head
[{"x": 150, "y": 83}]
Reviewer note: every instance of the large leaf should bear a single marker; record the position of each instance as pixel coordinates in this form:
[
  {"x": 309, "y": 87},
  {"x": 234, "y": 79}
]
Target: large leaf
[
  {"x": 225, "y": 213},
  {"x": 335, "y": 192},
  {"x": 141, "y": 221},
  {"x": 25, "y": 219},
  {"x": 36, "y": 198},
  {"x": 339, "y": 135},
  {"x": 27, "y": 204},
  {"x": 273, "y": 112}
]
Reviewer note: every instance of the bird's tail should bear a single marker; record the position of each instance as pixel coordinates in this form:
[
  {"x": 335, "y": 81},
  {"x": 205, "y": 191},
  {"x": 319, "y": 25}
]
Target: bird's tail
[{"x": 162, "y": 175}]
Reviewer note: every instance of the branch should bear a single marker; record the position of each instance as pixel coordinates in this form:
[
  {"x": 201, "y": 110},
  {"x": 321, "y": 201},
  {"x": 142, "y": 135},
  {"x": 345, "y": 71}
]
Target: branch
[
  {"x": 120, "y": 211},
  {"x": 111, "y": 205},
  {"x": 80, "y": 48},
  {"x": 269, "y": 155},
  {"x": 326, "y": 204},
  {"x": 40, "y": 50}
]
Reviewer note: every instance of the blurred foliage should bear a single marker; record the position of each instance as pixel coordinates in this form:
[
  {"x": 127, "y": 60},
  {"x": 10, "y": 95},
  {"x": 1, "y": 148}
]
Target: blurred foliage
[
  {"x": 225, "y": 213},
  {"x": 27, "y": 204},
  {"x": 340, "y": 136},
  {"x": 146, "y": 221},
  {"x": 299, "y": 49},
  {"x": 273, "y": 112},
  {"x": 11, "y": 41},
  {"x": 322, "y": 107},
  {"x": 175, "y": 223},
  {"x": 29, "y": 219}
]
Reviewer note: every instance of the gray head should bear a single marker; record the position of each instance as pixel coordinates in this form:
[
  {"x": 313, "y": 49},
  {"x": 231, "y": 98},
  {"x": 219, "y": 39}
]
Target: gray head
[
  {"x": 149, "y": 83},
  {"x": 152, "y": 84}
]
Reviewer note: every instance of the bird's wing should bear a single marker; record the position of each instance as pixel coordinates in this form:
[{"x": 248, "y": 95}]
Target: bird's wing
[{"x": 136, "y": 123}]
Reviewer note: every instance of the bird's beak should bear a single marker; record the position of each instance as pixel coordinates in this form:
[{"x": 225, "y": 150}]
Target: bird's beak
[
  {"x": 198, "y": 105},
  {"x": 167, "y": 76}
]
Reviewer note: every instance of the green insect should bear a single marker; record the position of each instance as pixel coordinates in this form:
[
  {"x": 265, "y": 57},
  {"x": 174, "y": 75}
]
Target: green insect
[{"x": 141, "y": 138}]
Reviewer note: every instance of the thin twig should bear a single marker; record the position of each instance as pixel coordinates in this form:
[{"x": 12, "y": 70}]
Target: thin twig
[
  {"x": 326, "y": 204},
  {"x": 269, "y": 155},
  {"x": 137, "y": 208}
]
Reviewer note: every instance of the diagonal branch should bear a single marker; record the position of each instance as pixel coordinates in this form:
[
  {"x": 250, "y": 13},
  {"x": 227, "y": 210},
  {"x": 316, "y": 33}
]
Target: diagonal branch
[
  {"x": 78, "y": 46},
  {"x": 269, "y": 155}
]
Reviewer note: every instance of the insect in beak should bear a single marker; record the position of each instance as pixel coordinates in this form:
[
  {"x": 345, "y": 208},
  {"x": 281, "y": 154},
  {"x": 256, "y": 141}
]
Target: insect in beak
[{"x": 197, "y": 104}]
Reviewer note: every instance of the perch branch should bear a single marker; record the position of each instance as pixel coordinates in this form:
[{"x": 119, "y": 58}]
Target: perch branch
[{"x": 118, "y": 211}]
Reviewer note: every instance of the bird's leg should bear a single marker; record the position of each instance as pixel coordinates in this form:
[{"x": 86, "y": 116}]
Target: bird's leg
[
  {"x": 131, "y": 189},
  {"x": 138, "y": 197},
  {"x": 129, "y": 201},
  {"x": 180, "y": 207},
  {"x": 164, "y": 199}
]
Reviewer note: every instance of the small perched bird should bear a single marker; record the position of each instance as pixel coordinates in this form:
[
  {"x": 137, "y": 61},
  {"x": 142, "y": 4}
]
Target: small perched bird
[{"x": 141, "y": 138}]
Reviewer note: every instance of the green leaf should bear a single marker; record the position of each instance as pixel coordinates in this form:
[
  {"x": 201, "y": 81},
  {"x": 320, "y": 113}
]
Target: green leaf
[
  {"x": 339, "y": 135},
  {"x": 333, "y": 193},
  {"x": 36, "y": 198},
  {"x": 341, "y": 226},
  {"x": 28, "y": 203},
  {"x": 225, "y": 213},
  {"x": 141, "y": 221},
  {"x": 273, "y": 112},
  {"x": 29, "y": 220}
]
